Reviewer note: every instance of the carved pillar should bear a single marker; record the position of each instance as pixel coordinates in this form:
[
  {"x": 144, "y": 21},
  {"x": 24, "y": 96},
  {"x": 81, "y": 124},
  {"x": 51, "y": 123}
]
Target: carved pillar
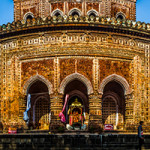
[
  {"x": 137, "y": 83},
  {"x": 95, "y": 108},
  {"x": 56, "y": 106},
  {"x": 95, "y": 99},
  {"x": 129, "y": 109},
  {"x": 56, "y": 98}
]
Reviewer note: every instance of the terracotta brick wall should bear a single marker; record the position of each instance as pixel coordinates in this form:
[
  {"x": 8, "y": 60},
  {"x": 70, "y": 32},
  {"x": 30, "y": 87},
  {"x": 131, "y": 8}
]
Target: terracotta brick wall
[{"x": 103, "y": 8}]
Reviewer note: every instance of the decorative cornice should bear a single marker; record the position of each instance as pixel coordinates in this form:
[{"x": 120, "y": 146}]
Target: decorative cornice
[{"x": 76, "y": 23}]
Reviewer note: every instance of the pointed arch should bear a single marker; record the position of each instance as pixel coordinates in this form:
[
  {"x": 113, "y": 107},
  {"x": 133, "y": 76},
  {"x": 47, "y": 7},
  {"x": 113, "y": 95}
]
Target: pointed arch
[
  {"x": 28, "y": 14},
  {"x": 79, "y": 77},
  {"x": 121, "y": 14},
  {"x": 119, "y": 79},
  {"x": 57, "y": 11},
  {"x": 74, "y": 10},
  {"x": 33, "y": 79},
  {"x": 92, "y": 11}
]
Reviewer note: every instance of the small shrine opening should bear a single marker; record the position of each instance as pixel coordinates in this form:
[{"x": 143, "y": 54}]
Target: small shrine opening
[
  {"x": 113, "y": 105},
  {"x": 29, "y": 17},
  {"x": 77, "y": 108},
  {"x": 40, "y": 105}
]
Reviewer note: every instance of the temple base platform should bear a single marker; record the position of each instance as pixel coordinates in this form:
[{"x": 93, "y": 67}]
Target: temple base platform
[{"x": 65, "y": 141}]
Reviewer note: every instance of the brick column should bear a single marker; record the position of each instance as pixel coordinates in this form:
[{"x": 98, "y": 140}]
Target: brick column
[
  {"x": 95, "y": 108},
  {"x": 56, "y": 106}
]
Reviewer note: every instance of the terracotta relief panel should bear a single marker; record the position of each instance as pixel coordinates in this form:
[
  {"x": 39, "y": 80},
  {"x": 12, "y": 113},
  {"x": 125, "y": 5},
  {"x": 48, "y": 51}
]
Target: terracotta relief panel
[
  {"x": 25, "y": 11},
  {"x": 116, "y": 8},
  {"x": 92, "y": 6},
  {"x": 96, "y": 6},
  {"x": 108, "y": 67},
  {"x": 84, "y": 67},
  {"x": 43, "y": 67},
  {"x": 60, "y": 6},
  {"x": 75, "y": 5},
  {"x": 33, "y": 10},
  {"x": 67, "y": 67}
]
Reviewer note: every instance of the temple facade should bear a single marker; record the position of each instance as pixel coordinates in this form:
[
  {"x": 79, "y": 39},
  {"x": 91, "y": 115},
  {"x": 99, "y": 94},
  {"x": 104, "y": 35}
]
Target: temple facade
[{"x": 92, "y": 50}]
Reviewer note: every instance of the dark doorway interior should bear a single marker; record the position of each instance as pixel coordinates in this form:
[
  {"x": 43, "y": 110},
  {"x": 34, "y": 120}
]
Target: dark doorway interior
[
  {"x": 113, "y": 102},
  {"x": 40, "y": 104}
]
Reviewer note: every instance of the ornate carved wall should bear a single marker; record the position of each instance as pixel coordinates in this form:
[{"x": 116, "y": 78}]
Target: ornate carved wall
[
  {"x": 41, "y": 67},
  {"x": 57, "y": 48}
]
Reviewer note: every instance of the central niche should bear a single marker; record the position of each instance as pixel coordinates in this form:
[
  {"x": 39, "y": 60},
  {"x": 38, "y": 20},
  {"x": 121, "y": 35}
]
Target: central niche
[{"x": 77, "y": 108}]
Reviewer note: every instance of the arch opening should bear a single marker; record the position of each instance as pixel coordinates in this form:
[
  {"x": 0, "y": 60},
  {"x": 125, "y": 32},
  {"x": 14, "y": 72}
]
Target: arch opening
[
  {"x": 74, "y": 12},
  {"x": 29, "y": 17},
  {"x": 92, "y": 14},
  {"x": 40, "y": 105},
  {"x": 77, "y": 108},
  {"x": 57, "y": 14},
  {"x": 113, "y": 104},
  {"x": 120, "y": 16}
]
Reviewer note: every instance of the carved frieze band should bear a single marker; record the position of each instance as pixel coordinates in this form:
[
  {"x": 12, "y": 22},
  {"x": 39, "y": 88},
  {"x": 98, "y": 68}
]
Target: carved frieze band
[{"x": 79, "y": 38}]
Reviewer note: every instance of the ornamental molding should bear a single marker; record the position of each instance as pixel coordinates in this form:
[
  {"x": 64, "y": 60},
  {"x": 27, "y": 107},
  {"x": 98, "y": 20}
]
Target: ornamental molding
[
  {"x": 92, "y": 11},
  {"x": 79, "y": 77},
  {"x": 57, "y": 11},
  {"x": 128, "y": 26},
  {"x": 74, "y": 10},
  {"x": 33, "y": 79},
  {"x": 137, "y": 45},
  {"x": 119, "y": 79}
]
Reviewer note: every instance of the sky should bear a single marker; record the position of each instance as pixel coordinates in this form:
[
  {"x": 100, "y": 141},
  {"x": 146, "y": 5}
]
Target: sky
[{"x": 6, "y": 11}]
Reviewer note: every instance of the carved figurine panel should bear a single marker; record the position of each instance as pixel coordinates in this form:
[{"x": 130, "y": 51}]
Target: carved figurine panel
[
  {"x": 117, "y": 8},
  {"x": 67, "y": 67},
  {"x": 84, "y": 67},
  {"x": 74, "y": 5},
  {"x": 108, "y": 67},
  {"x": 41, "y": 67},
  {"x": 55, "y": 6},
  {"x": 90, "y": 6}
]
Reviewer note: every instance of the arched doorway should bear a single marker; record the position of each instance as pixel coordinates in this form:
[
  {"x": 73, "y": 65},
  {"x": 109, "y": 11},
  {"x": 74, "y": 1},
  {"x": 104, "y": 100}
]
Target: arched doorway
[
  {"x": 40, "y": 105},
  {"x": 113, "y": 104},
  {"x": 77, "y": 108}
]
